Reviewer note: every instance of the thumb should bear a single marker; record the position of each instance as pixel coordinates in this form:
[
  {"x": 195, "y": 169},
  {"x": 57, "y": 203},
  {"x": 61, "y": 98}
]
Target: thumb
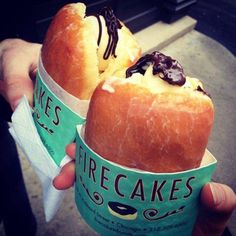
[
  {"x": 18, "y": 62},
  {"x": 15, "y": 86},
  {"x": 218, "y": 202}
]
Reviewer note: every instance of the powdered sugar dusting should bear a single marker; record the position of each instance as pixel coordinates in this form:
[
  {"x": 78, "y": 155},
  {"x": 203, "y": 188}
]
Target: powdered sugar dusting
[{"x": 107, "y": 87}]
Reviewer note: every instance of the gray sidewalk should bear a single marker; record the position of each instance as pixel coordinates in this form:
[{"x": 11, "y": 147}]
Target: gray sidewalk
[
  {"x": 203, "y": 58},
  {"x": 209, "y": 61}
]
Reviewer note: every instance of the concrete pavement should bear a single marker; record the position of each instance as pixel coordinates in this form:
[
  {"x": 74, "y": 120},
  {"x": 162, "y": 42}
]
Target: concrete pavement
[{"x": 209, "y": 61}]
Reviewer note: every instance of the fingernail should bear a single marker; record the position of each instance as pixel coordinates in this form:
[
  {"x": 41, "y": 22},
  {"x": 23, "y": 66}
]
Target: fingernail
[{"x": 217, "y": 193}]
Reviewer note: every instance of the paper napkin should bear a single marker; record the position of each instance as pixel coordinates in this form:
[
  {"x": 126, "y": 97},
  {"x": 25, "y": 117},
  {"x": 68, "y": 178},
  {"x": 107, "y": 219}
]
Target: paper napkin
[{"x": 26, "y": 136}]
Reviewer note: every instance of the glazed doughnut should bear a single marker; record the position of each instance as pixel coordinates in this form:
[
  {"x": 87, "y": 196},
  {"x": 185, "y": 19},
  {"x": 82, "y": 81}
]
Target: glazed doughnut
[
  {"x": 122, "y": 211},
  {"x": 79, "y": 51},
  {"x": 157, "y": 119}
]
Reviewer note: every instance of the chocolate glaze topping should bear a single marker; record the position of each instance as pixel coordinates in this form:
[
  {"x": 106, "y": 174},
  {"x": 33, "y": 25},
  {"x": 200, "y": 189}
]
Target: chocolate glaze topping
[
  {"x": 112, "y": 24},
  {"x": 200, "y": 89},
  {"x": 100, "y": 29},
  {"x": 166, "y": 68}
]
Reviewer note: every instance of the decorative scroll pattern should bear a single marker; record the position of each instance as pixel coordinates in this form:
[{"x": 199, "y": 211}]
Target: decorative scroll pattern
[
  {"x": 95, "y": 196},
  {"x": 37, "y": 114},
  {"x": 153, "y": 214}
]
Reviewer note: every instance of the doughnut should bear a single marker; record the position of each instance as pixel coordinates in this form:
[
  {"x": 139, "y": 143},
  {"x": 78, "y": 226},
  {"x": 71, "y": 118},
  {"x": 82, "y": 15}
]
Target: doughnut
[
  {"x": 80, "y": 51},
  {"x": 122, "y": 211},
  {"x": 156, "y": 119}
]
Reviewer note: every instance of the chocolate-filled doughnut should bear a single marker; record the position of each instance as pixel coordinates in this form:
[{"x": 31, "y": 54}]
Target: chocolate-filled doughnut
[
  {"x": 157, "y": 119},
  {"x": 80, "y": 51}
]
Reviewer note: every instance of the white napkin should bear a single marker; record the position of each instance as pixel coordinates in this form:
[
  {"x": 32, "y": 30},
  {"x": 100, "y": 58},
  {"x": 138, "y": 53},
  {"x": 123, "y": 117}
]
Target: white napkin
[{"x": 25, "y": 134}]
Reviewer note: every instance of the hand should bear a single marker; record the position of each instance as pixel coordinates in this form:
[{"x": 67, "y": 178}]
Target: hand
[
  {"x": 218, "y": 200},
  {"x": 218, "y": 203},
  {"x": 66, "y": 178},
  {"x": 18, "y": 64}
]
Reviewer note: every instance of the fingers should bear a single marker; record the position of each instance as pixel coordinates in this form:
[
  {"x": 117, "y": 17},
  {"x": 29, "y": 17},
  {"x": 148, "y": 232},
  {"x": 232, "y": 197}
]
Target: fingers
[
  {"x": 66, "y": 178},
  {"x": 219, "y": 198},
  {"x": 70, "y": 150},
  {"x": 15, "y": 87},
  {"x": 18, "y": 62},
  {"x": 218, "y": 201}
]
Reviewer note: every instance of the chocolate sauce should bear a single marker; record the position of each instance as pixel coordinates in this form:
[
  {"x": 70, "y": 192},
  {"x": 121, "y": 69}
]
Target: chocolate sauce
[
  {"x": 200, "y": 89},
  {"x": 112, "y": 24},
  {"x": 100, "y": 29},
  {"x": 166, "y": 68}
]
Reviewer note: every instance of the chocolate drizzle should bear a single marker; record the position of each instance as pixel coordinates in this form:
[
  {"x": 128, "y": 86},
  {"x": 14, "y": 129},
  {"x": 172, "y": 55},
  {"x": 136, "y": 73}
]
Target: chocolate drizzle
[
  {"x": 164, "y": 66},
  {"x": 200, "y": 89},
  {"x": 112, "y": 24},
  {"x": 100, "y": 29}
]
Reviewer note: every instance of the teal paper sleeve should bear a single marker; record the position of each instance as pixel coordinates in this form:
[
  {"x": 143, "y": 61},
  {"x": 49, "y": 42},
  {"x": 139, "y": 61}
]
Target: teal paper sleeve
[
  {"x": 55, "y": 122},
  {"x": 115, "y": 200}
]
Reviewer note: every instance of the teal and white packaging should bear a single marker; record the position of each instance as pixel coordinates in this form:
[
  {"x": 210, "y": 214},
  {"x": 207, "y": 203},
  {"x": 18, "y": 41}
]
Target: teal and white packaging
[
  {"x": 115, "y": 200},
  {"x": 56, "y": 114}
]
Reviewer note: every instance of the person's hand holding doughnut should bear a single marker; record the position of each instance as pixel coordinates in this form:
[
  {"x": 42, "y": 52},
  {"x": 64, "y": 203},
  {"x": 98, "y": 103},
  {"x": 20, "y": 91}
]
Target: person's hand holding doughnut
[
  {"x": 218, "y": 200},
  {"x": 18, "y": 67}
]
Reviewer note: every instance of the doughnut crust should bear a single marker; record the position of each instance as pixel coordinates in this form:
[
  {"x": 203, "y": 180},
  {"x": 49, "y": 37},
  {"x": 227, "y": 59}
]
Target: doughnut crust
[
  {"x": 145, "y": 123},
  {"x": 72, "y": 57}
]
